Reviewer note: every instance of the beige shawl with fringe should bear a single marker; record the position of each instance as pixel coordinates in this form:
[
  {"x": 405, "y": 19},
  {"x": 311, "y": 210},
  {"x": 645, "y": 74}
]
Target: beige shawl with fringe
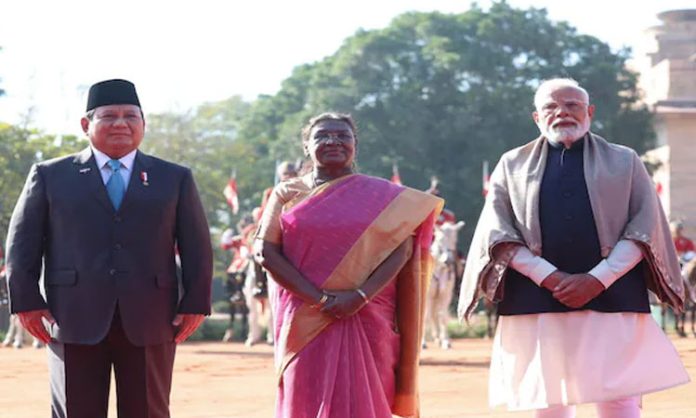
[{"x": 624, "y": 204}]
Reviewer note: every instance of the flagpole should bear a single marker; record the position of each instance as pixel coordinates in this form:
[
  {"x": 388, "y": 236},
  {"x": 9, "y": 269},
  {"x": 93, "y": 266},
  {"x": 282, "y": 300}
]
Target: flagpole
[
  {"x": 235, "y": 208},
  {"x": 484, "y": 178},
  {"x": 230, "y": 192},
  {"x": 396, "y": 177},
  {"x": 276, "y": 177}
]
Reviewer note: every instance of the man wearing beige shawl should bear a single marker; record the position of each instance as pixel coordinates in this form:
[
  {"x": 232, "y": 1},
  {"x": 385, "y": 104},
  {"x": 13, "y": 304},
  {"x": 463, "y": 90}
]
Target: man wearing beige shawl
[{"x": 570, "y": 239}]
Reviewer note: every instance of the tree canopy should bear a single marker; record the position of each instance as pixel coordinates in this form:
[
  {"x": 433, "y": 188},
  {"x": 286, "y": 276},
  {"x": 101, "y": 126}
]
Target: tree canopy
[
  {"x": 440, "y": 93},
  {"x": 436, "y": 93},
  {"x": 19, "y": 149}
]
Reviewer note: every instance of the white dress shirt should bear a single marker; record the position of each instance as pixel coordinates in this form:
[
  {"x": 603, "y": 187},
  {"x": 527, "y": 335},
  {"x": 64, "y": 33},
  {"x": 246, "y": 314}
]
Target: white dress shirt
[
  {"x": 623, "y": 257},
  {"x": 105, "y": 169}
]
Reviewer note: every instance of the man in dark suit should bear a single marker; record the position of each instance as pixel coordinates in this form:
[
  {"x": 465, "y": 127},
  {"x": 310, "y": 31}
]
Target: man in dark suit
[{"x": 105, "y": 223}]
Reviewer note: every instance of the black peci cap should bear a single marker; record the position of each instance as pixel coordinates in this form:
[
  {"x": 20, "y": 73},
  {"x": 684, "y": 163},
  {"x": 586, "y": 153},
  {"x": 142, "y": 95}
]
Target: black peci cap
[{"x": 109, "y": 92}]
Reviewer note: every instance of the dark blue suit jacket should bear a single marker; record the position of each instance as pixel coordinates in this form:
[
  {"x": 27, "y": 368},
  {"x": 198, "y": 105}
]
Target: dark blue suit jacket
[{"x": 95, "y": 257}]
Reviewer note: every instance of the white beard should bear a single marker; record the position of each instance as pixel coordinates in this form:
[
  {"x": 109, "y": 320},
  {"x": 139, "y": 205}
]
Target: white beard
[{"x": 565, "y": 135}]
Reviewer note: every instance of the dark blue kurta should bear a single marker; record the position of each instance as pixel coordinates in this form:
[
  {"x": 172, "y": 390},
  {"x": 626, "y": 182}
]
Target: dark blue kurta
[{"x": 570, "y": 242}]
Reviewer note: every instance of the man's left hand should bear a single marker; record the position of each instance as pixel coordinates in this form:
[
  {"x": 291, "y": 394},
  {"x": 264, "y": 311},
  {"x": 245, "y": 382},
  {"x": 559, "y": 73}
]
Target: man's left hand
[
  {"x": 187, "y": 323},
  {"x": 576, "y": 290}
]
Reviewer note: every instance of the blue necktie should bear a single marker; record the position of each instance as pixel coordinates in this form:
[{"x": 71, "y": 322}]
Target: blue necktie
[{"x": 115, "y": 187}]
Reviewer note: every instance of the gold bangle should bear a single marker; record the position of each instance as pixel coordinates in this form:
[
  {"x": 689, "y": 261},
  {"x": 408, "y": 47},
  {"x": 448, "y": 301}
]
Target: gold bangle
[
  {"x": 322, "y": 300},
  {"x": 363, "y": 295}
]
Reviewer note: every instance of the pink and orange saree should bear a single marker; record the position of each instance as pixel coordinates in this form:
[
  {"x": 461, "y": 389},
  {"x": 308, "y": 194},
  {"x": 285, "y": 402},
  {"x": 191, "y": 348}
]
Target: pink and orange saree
[{"x": 336, "y": 235}]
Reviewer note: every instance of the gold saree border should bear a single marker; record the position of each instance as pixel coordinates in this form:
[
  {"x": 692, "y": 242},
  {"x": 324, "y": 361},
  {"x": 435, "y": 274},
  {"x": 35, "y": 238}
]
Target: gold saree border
[{"x": 413, "y": 281}]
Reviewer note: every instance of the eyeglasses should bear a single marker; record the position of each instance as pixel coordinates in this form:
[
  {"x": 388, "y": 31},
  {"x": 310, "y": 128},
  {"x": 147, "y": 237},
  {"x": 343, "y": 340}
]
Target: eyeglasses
[
  {"x": 336, "y": 136},
  {"x": 569, "y": 106}
]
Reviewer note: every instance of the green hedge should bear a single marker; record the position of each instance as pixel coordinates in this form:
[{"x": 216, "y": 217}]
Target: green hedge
[{"x": 213, "y": 329}]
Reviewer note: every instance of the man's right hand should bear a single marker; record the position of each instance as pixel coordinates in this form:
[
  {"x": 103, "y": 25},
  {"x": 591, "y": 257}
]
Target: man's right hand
[
  {"x": 32, "y": 321},
  {"x": 578, "y": 290},
  {"x": 553, "y": 280}
]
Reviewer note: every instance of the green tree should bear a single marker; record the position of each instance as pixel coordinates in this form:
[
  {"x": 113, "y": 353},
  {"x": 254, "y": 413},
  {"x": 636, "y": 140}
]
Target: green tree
[
  {"x": 436, "y": 93},
  {"x": 19, "y": 149},
  {"x": 1, "y": 90},
  {"x": 206, "y": 140},
  {"x": 440, "y": 93}
]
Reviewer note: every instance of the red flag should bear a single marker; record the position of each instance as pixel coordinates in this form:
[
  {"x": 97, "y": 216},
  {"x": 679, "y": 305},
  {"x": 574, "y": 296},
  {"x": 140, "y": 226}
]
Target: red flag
[
  {"x": 446, "y": 216},
  {"x": 396, "y": 178},
  {"x": 486, "y": 179},
  {"x": 230, "y": 193}
]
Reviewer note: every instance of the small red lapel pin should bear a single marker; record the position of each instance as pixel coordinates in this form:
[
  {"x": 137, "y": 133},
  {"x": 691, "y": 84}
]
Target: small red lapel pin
[{"x": 143, "y": 178}]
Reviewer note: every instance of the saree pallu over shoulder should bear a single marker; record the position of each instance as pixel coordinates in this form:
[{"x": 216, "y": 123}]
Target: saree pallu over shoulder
[
  {"x": 624, "y": 204},
  {"x": 367, "y": 219}
]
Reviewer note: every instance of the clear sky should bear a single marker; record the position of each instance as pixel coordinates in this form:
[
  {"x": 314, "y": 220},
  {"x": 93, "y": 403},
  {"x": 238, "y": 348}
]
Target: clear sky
[{"x": 183, "y": 53}]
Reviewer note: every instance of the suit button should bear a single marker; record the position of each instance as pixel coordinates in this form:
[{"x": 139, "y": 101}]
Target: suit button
[
  {"x": 117, "y": 219},
  {"x": 117, "y": 246},
  {"x": 568, "y": 217},
  {"x": 112, "y": 272},
  {"x": 567, "y": 194}
]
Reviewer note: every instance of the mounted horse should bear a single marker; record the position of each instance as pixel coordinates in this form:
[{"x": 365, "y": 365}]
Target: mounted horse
[
  {"x": 689, "y": 275},
  {"x": 258, "y": 289},
  {"x": 439, "y": 296},
  {"x": 234, "y": 284}
]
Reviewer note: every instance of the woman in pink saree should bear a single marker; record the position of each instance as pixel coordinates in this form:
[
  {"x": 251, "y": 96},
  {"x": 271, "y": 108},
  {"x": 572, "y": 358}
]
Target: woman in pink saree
[{"x": 350, "y": 255}]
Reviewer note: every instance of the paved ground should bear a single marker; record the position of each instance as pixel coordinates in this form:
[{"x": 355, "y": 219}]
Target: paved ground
[{"x": 221, "y": 380}]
